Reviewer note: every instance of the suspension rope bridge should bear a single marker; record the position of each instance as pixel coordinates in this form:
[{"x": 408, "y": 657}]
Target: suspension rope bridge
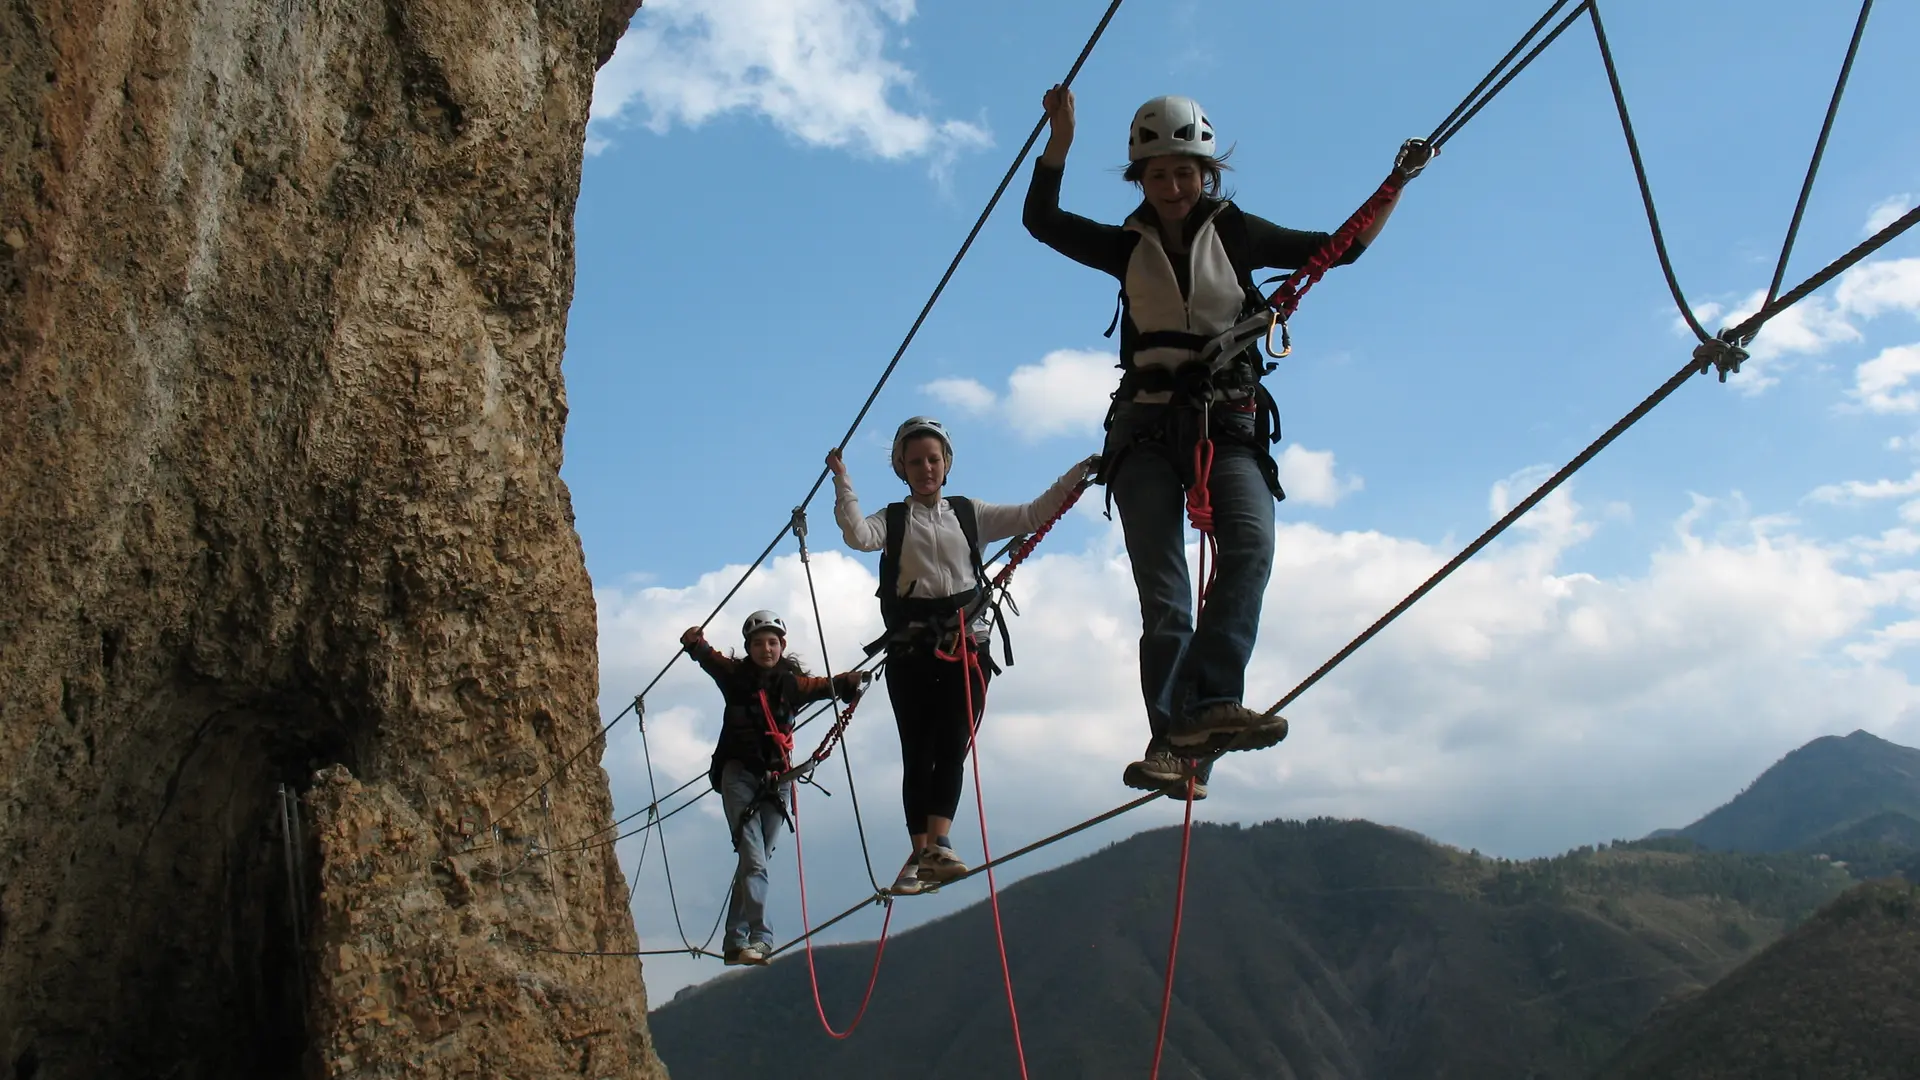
[{"x": 1721, "y": 353}]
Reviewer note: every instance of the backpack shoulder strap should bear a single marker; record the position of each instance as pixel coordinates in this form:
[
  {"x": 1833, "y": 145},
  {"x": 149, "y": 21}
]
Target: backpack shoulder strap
[{"x": 889, "y": 591}]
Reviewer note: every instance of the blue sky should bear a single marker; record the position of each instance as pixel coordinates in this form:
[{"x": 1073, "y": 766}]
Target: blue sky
[{"x": 774, "y": 186}]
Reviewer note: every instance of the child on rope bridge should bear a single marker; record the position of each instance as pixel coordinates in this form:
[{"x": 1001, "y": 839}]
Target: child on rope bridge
[
  {"x": 762, "y": 693},
  {"x": 931, "y": 569}
]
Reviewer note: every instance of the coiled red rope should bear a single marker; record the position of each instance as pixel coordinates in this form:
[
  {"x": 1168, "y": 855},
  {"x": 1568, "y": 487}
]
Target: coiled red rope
[{"x": 1200, "y": 514}]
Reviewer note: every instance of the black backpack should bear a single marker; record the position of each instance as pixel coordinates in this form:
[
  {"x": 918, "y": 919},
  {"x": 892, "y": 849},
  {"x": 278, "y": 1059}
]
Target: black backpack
[{"x": 892, "y": 608}]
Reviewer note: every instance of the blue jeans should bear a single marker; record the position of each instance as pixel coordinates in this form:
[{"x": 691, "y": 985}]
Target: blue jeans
[
  {"x": 747, "y": 910},
  {"x": 1184, "y": 668}
]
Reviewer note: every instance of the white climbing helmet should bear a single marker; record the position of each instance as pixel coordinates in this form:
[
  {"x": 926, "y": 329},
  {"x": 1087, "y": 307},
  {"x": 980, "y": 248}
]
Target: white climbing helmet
[
  {"x": 763, "y": 620},
  {"x": 1172, "y": 124},
  {"x": 918, "y": 425}
]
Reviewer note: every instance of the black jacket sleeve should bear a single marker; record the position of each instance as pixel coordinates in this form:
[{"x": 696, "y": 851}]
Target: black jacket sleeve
[
  {"x": 1089, "y": 243},
  {"x": 1288, "y": 249}
]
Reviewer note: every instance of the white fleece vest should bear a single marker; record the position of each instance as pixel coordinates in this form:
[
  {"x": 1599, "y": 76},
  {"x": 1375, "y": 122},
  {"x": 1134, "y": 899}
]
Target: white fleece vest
[{"x": 1153, "y": 294}]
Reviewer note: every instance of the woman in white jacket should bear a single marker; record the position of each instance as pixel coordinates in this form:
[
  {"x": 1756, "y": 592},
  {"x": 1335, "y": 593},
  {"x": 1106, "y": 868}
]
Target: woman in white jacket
[{"x": 930, "y": 570}]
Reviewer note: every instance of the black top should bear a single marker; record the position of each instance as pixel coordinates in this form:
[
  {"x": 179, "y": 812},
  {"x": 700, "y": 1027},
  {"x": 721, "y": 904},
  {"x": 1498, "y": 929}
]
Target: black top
[{"x": 1109, "y": 247}]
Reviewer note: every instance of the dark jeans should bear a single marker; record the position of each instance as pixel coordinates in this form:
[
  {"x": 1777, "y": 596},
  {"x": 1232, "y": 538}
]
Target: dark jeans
[
  {"x": 747, "y": 908},
  {"x": 1183, "y": 667},
  {"x": 929, "y": 698}
]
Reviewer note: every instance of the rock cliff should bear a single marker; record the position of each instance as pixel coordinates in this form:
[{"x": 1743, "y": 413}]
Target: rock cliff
[{"x": 283, "y": 291}]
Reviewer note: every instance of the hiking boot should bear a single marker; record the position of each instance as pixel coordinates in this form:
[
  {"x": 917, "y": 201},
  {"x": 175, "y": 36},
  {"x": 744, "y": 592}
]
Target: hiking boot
[
  {"x": 1228, "y": 725},
  {"x": 1156, "y": 769},
  {"x": 730, "y": 956},
  {"x": 1163, "y": 770},
  {"x": 939, "y": 865},
  {"x": 908, "y": 883},
  {"x": 756, "y": 954},
  {"x": 1177, "y": 791}
]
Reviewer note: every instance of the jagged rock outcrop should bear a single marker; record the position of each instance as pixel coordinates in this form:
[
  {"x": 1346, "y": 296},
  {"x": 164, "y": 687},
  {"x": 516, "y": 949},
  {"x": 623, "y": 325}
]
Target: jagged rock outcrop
[{"x": 283, "y": 290}]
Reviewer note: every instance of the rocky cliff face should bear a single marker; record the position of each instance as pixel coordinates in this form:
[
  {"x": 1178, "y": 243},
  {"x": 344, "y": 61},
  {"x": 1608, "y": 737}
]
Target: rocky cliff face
[{"x": 283, "y": 289}]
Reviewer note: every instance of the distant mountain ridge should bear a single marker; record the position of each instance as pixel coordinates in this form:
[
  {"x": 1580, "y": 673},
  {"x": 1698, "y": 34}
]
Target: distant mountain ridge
[
  {"x": 1316, "y": 949},
  {"x": 1347, "y": 950},
  {"x": 1813, "y": 794},
  {"x": 1839, "y": 997}
]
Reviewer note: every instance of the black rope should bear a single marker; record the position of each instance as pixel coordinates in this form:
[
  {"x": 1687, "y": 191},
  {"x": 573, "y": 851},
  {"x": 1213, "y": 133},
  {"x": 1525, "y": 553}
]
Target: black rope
[
  {"x": 667, "y": 863},
  {"x": 799, "y": 528},
  {"x": 925, "y": 309},
  {"x": 1745, "y": 330},
  {"x": 965, "y": 245},
  {"x": 584, "y": 843},
  {"x": 1819, "y": 150},
  {"x": 1443, "y": 136},
  {"x": 1126, "y": 807},
  {"x": 1497, "y": 68},
  {"x": 1640, "y": 175},
  {"x": 1700, "y": 364},
  {"x": 1751, "y": 325},
  {"x": 608, "y": 726},
  {"x": 1473, "y": 100}
]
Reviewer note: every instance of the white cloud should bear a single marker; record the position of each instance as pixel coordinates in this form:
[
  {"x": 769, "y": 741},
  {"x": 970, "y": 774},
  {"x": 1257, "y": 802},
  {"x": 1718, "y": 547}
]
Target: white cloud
[
  {"x": 1862, "y": 490},
  {"x": 1066, "y": 393},
  {"x": 1886, "y": 212},
  {"x": 1881, "y": 285},
  {"x": 966, "y": 395},
  {"x": 1525, "y": 706},
  {"x": 1818, "y": 323},
  {"x": 1880, "y": 384},
  {"x": 1309, "y": 477},
  {"x": 817, "y": 69}
]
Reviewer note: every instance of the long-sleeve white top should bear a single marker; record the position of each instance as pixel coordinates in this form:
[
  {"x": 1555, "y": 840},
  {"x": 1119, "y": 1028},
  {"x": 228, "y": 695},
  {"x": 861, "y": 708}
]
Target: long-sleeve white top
[{"x": 934, "y": 561}]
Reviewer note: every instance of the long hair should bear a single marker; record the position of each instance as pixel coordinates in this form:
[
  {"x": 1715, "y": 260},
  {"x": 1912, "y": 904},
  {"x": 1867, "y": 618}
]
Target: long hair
[
  {"x": 789, "y": 664},
  {"x": 1211, "y": 169}
]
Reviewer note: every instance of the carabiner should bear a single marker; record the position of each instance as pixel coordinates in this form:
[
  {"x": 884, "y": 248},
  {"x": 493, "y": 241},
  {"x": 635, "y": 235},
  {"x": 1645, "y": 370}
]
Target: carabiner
[{"x": 1286, "y": 340}]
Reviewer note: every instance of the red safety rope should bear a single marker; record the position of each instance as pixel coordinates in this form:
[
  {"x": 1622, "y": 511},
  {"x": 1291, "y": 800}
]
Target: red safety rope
[
  {"x": 781, "y": 739},
  {"x": 1026, "y": 547},
  {"x": 1173, "y": 946},
  {"x": 806, "y": 925},
  {"x": 969, "y": 662},
  {"x": 835, "y": 733},
  {"x": 1286, "y": 299}
]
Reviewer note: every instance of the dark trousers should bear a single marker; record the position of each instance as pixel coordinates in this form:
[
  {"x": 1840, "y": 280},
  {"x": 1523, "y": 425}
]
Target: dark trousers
[{"x": 929, "y": 698}]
